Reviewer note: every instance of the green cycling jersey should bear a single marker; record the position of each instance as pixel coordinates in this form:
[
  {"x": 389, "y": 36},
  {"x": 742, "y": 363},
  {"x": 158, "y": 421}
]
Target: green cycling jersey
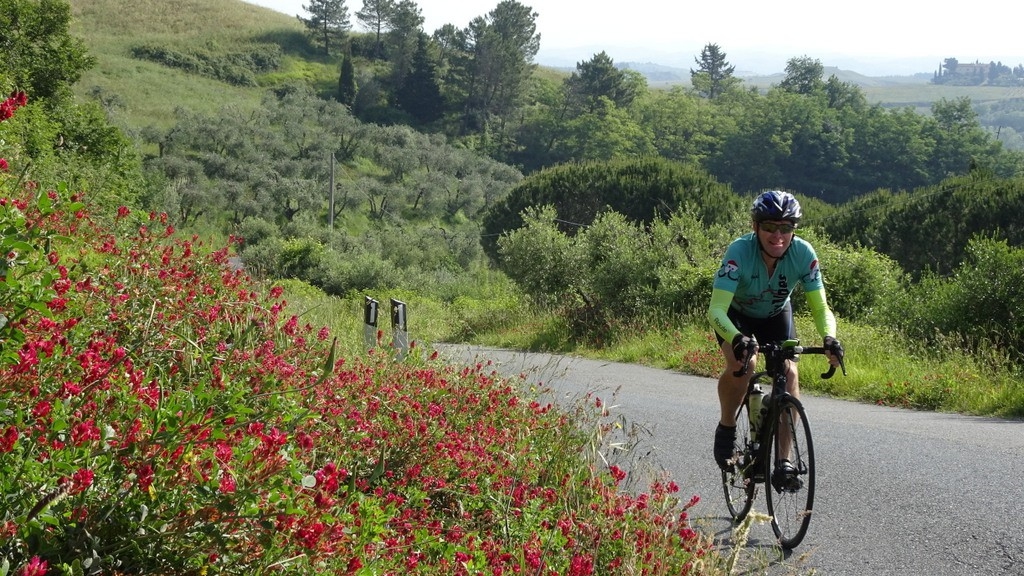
[{"x": 743, "y": 284}]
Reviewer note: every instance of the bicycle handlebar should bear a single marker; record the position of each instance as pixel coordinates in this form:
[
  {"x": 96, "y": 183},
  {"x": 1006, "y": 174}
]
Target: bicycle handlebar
[
  {"x": 752, "y": 347},
  {"x": 822, "y": 350}
]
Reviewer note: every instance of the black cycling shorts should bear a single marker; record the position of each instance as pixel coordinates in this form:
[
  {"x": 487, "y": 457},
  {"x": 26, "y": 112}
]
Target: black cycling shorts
[{"x": 770, "y": 329}]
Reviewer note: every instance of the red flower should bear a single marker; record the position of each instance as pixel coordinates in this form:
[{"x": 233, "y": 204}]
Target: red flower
[
  {"x": 41, "y": 409},
  {"x": 3, "y": 165},
  {"x": 8, "y": 439},
  {"x": 35, "y": 567},
  {"x": 145, "y": 475},
  {"x": 227, "y": 484},
  {"x": 81, "y": 480},
  {"x": 581, "y": 566},
  {"x": 617, "y": 473},
  {"x": 84, "y": 432}
]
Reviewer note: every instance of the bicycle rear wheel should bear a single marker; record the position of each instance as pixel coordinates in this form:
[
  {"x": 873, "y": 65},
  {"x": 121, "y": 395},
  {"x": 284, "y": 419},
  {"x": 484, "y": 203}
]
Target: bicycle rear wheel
[
  {"x": 738, "y": 483},
  {"x": 791, "y": 499}
]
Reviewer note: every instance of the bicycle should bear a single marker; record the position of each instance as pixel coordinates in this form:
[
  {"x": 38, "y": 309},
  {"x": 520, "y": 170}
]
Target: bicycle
[{"x": 767, "y": 434}]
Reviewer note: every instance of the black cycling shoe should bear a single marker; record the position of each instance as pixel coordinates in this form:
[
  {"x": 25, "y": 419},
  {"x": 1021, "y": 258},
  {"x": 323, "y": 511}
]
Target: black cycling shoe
[
  {"x": 785, "y": 478},
  {"x": 725, "y": 446}
]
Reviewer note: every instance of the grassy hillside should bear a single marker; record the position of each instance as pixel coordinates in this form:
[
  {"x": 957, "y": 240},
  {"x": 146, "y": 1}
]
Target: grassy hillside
[{"x": 147, "y": 93}]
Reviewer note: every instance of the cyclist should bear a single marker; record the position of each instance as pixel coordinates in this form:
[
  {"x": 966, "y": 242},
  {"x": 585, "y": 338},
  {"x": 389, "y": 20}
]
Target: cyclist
[{"x": 751, "y": 299}]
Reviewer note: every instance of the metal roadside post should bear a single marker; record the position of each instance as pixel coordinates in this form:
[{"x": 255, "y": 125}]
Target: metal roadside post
[
  {"x": 370, "y": 311},
  {"x": 399, "y": 323}
]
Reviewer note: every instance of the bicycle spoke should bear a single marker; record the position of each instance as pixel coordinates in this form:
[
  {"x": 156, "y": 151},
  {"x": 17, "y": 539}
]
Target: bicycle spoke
[
  {"x": 791, "y": 498},
  {"x": 736, "y": 483}
]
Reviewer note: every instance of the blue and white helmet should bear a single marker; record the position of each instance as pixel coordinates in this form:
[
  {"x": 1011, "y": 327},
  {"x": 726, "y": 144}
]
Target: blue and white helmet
[{"x": 776, "y": 205}]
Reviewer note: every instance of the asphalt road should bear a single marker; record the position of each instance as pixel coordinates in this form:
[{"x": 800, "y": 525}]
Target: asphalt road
[{"x": 898, "y": 491}]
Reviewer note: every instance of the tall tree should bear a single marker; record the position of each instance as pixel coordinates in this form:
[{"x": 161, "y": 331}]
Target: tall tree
[
  {"x": 955, "y": 116},
  {"x": 347, "y": 81},
  {"x": 37, "y": 53},
  {"x": 685, "y": 126},
  {"x": 803, "y": 75},
  {"x": 502, "y": 47},
  {"x": 844, "y": 94},
  {"x": 714, "y": 75},
  {"x": 960, "y": 142},
  {"x": 597, "y": 78},
  {"x": 406, "y": 26},
  {"x": 420, "y": 94},
  {"x": 950, "y": 65},
  {"x": 376, "y": 16},
  {"x": 328, "y": 22}
]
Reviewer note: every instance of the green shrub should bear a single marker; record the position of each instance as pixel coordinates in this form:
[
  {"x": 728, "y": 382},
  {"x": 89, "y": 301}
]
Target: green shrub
[
  {"x": 539, "y": 258},
  {"x": 643, "y": 190},
  {"x": 620, "y": 265},
  {"x": 689, "y": 253},
  {"x": 235, "y": 68},
  {"x": 979, "y": 306},
  {"x": 254, "y": 231},
  {"x": 858, "y": 280},
  {"x": 356, "y": 272}
]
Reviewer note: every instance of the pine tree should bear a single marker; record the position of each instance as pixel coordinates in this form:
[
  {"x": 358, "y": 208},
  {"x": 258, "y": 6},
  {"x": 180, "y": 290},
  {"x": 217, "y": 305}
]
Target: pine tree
[
  {"x": 420, "y": 94},
  {"x": 328, "y": 22},
  {"x": 347, "y": 82},
  {"x": 714, "y": 76},
  {"x": 376, "y": 16}
]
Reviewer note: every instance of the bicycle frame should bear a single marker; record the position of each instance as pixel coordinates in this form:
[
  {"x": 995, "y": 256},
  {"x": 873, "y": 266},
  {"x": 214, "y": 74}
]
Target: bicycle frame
[
  {"x": 775, "y": 356},
  {"x": 783, "y": 432}
]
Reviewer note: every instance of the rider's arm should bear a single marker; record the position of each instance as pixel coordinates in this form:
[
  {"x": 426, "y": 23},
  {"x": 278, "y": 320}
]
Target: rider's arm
[
  {"x": 824, "y": 320},
  {"x": 718, "y": 314}
]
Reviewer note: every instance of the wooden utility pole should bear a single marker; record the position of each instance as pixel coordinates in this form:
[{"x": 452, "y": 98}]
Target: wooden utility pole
[{"x": 330, "y": 204}]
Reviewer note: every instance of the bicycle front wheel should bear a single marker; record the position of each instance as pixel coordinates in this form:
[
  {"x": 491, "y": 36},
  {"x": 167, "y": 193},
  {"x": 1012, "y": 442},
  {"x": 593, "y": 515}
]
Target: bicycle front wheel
[
  {"x": 738, "y": 483},
  {"x": 790, "y": 490}
]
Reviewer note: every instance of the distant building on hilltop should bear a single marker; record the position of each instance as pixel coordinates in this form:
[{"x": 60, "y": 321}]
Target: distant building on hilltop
[
  {"x": 953, "y": 72},
  {"x": 976, "y": 69}
]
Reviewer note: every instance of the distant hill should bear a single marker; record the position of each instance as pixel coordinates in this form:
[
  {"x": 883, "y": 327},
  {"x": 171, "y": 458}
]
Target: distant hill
[
  {"x": 142, "y": 93},
  {"x": 662, "y": 75}
]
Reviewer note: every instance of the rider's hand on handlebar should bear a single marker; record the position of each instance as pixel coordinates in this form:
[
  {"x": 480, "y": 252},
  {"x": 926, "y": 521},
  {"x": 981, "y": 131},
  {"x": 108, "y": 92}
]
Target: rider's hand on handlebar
[
  {"x": 742, "y": 346},
  {"x": 834, "y": 349}
]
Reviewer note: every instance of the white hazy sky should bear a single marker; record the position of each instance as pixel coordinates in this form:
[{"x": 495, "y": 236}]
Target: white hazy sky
[{"x": 873, "y": 37}]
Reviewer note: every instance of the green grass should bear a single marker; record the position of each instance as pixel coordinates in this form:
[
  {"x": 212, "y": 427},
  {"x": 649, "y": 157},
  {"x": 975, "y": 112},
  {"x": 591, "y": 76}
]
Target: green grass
[
  {"x": 917, "y": 94},
  {"x": 150, "y": 93}
]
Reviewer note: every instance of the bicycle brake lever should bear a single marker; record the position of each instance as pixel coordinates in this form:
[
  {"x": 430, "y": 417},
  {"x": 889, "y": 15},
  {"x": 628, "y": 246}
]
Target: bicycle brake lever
[
  {"x": 751, "y": 346},
  {"x": 832, "y": 370},
  {"x": 743, "y": 369}
]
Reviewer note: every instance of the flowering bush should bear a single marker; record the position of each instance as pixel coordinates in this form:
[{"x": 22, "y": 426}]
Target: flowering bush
[
  {"x": 16, "y": 100},
  {"x": 162, "y": 413}
]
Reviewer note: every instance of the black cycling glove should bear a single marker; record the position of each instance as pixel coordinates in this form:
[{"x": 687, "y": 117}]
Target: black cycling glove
[
  {"x": 833, "y": 346},
  {"x": 741, "y": 345}
]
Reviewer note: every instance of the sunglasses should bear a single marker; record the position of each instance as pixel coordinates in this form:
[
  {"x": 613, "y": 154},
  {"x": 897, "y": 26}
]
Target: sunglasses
[{"x": 772, "y": 227}]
